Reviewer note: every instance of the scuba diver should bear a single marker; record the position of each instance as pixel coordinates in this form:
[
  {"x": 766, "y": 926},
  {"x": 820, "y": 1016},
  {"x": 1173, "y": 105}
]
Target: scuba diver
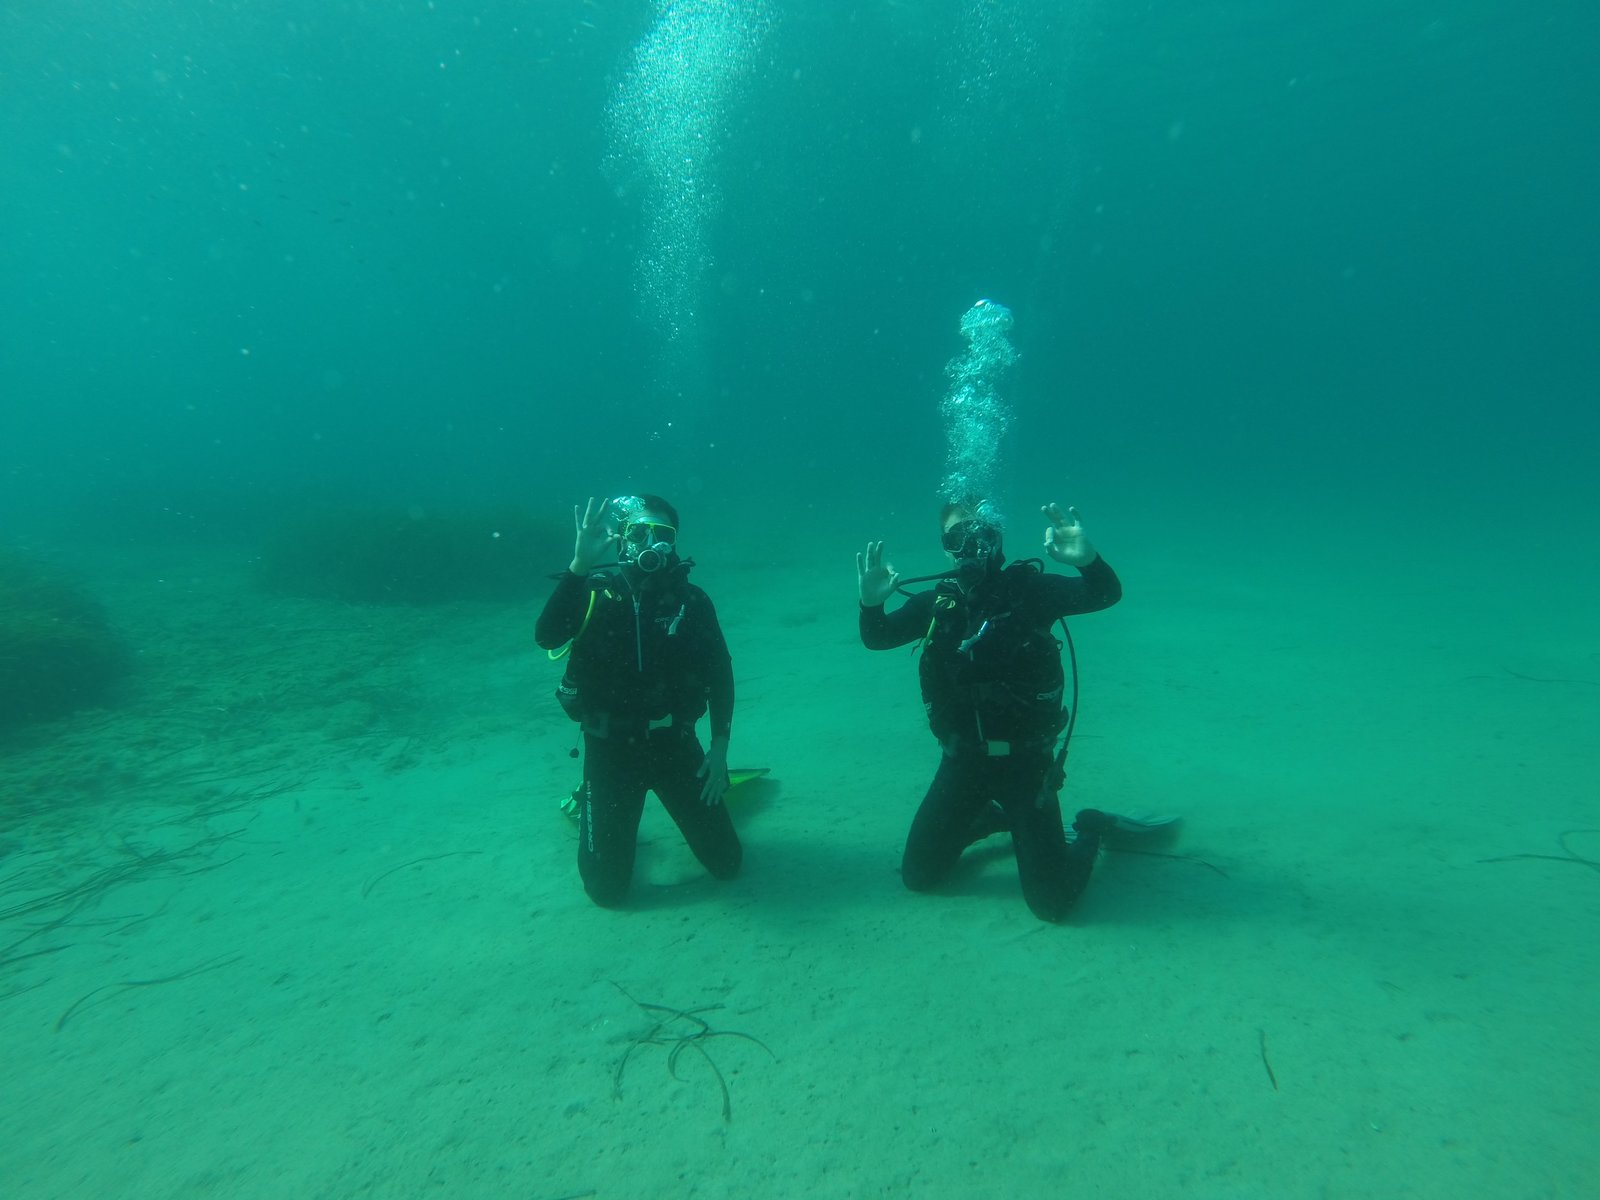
[
  {"x": 647, "y": 660},
  {"x": 994, "y": 691}
]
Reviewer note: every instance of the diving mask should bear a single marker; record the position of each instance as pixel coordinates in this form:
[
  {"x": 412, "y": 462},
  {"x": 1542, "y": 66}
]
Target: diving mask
[
  {"x": 648, "y": 545},
  {"x": 642, "y": 542},
  {"x": 972, "y": 539}
]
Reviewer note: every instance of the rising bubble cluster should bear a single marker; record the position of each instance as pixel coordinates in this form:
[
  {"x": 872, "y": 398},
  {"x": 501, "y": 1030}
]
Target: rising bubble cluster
[
  {"x": 995, "y": 53},
  {"x": 975, "y": 413},
  {"x": 667, "y": 122}
]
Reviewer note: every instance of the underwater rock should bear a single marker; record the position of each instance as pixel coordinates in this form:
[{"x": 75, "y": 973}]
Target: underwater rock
[{"x": 57, "y": 652}]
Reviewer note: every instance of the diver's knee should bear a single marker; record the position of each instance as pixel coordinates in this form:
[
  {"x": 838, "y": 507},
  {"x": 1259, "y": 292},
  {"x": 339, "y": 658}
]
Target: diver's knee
[
  {"x": 919, "y": 877},
  {"x": 606, "y": 892},
  {"x": 1051, "y": 909},
  {"x": 726, "y": 866}
]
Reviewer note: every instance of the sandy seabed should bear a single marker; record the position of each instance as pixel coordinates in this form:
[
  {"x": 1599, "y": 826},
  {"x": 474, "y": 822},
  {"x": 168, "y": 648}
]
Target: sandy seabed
[{"x": 301, "y": 917}]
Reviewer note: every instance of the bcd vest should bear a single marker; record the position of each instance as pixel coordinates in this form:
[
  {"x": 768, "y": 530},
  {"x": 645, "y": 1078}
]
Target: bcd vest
[{"x": 991, "y": 667}]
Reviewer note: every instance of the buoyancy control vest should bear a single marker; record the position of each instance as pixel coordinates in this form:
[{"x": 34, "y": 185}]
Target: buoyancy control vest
[
  {"x": 639, "y": 654},
  {"x": 991, "y": 665}
]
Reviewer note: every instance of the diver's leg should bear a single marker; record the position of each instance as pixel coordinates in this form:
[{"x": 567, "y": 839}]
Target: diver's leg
[
  {"x": 1053, "y": 871},
  {"x": 609, "y": 807},
  {"x": 675, "y": 761},
  {"x": 943, "y": 826}
]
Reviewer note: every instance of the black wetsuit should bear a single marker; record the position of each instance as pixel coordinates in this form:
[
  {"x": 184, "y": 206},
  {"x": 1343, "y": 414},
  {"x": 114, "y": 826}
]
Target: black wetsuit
[
  {"x": 645, "y": 668},
  {"x": 992, "y": 686}
]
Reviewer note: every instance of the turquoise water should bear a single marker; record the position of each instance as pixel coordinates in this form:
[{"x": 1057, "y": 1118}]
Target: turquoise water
[
  {"x": 1304, "y": 303},
  {"x": 255, "y": 254}
]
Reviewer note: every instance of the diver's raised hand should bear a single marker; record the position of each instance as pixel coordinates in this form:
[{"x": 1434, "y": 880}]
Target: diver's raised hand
[
  {"x": 592, "y": 536},
  {"x": 876, "y": 577},
  {"x": 1064, "y": 538}
]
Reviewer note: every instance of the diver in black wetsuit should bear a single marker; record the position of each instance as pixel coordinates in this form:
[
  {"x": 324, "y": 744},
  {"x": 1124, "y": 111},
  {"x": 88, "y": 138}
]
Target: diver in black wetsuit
[
  {"x": 647, "y": 660},
  {"x": 992, "y": 685}
]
